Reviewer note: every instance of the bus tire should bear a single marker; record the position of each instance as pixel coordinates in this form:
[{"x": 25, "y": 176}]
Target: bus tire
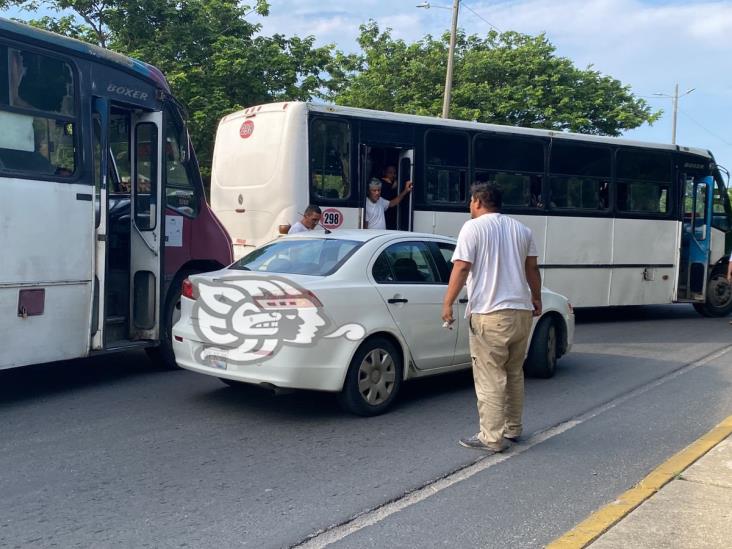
[
  {"x": 719, "y": 297},
  {"x": 374, "y": 378},
  {"x": 163, "y": 353},
  {"x": 541, "y": 360}
]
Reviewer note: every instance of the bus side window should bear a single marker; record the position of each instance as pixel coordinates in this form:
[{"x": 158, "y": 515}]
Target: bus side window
[
  {"x": 516, "y": 165},
  {"x": 446, "y": 167},
  {"x": 579, "y": 176},
  {"x": 180, "y": 193},
  {"x": 643, "y": 181},
  {"x": 330, "y": 159}
]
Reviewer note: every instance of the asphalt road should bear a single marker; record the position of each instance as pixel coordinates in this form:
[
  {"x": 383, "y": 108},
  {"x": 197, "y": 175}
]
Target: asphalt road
[{"x": 111, "y": 452}]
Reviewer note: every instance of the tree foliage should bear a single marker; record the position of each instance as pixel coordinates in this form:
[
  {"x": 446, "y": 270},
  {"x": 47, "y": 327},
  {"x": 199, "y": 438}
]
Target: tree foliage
[{"x": 507, "y": 78}]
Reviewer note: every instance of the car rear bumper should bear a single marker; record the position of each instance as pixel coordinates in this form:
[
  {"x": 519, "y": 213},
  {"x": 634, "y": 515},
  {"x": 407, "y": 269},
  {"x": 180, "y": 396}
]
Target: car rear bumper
[{"x": 320, "y": 367}]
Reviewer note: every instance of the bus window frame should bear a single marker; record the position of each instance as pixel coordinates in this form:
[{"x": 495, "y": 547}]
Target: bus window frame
[
  {"x": 673, "y": 213},
  {"x": 609, "y": 210},
  {"x": 352, "y": 200},
  {"x": 441, "y": 205},
  {"x": 544, "y": 174},
  {"x": 76, "y": 120}
]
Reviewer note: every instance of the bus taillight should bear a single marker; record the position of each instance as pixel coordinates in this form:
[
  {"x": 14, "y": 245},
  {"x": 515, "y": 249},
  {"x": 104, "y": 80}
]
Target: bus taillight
[{"x": 187, "y": 289}]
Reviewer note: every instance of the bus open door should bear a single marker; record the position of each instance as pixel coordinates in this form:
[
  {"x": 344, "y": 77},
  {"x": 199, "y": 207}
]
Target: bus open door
[{"x": 695, "y": 239}]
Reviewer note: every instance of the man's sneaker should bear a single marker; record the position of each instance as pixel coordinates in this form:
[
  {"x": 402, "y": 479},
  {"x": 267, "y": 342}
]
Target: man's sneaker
[
  {"x": 476, "y": 444},
  {"x": 513, "y": 439}
]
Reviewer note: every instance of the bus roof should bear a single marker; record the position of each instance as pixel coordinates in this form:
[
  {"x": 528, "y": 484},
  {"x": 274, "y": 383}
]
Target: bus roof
[
  {"x": 71, "y": 46},
  {"x": 462, "y": 124}
]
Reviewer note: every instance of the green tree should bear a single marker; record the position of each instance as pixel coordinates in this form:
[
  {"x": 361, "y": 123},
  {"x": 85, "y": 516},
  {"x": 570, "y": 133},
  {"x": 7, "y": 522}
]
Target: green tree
[
  {"x": 210, "y": 53},
  {"x": 507, "y": 78}
]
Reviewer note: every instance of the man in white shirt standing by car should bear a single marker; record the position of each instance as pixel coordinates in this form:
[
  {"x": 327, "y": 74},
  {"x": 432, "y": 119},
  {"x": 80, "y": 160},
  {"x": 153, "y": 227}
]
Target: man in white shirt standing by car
[
  {"x": 496, "y": 256},
  {"x": 309, "y": 221},
  {"x": 374, "y": 217}
]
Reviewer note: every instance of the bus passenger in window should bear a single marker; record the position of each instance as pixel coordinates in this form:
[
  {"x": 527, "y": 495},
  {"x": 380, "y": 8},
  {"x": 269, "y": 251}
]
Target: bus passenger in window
[
  {"x": 377, "y": 206},
  {"x": 310, "y": 220},
  {"x": 604, "y": 193}
]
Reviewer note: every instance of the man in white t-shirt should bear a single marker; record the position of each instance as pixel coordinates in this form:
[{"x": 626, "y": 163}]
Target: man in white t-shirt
[
  {"x": 729, "y": 270},
  {"x": 496, "y": 256},
  {"x": 310, "y": 219},
  {"x": 374, "y": 217}
]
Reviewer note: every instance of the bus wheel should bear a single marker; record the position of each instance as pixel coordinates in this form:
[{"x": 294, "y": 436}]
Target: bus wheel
[
  {"x": 373, "y": 379},
  {"x": 170, "y": 314},
  {"x": 541, "y": 361},
  {"x": 719, "y": 297}
]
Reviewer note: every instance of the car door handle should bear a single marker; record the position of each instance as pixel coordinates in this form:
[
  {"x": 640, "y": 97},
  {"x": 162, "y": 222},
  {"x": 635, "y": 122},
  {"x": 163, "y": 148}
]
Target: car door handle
[
  {"x": 463, "y": 300},
  {"x": 397, "y": 300}
]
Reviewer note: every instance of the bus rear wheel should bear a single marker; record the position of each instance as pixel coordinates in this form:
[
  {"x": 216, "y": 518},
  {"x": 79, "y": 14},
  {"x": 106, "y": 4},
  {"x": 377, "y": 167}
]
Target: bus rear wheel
[{"x": 719, "y": 297}]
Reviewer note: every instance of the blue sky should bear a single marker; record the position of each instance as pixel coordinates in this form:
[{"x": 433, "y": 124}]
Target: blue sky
[{"x": 648, "y": 44}]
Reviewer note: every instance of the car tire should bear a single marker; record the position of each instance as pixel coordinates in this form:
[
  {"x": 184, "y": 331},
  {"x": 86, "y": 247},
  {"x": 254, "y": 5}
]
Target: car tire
[
  {"x": 541, "y": 360},
  {"x": 373, "y": 379},
  {"x": 163, "y": 353},
  {"x": 719, "y": 297}
]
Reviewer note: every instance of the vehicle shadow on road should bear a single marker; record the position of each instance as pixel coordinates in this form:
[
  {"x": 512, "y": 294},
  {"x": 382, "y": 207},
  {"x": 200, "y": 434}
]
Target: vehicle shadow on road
[
  {"x": 315, "y": 406},
  {"x": 590, "y": 315},
  {"x": 54, "y": 378}
]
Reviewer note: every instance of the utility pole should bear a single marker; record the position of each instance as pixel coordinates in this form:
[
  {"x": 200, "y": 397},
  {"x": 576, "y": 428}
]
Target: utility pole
[
  {"x": 675, "y": 107},
  {"x": 450, "y": 57}
]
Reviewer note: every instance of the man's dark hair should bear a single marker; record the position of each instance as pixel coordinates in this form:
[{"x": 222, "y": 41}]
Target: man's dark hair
[
  {"x": 312, "y": 208},
  {"x": 488, "y": 194}
]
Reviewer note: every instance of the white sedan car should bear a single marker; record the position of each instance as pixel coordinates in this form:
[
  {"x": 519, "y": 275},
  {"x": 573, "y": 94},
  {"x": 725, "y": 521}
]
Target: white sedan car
[{"x": 352, "y": 312}]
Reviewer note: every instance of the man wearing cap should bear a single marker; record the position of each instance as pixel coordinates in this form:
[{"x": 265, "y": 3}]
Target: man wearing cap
[{"x": 376, "y": 206}]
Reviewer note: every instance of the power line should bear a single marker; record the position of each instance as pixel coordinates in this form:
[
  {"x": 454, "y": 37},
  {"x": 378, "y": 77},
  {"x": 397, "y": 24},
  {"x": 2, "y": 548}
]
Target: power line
[
  {"x": 479, "y": 16},
  {"x": 710, "y": 132}
]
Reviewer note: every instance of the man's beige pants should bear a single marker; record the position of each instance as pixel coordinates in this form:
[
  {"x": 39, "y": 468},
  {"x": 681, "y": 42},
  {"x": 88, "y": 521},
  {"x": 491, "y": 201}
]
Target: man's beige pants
[{"x": 498, "y": 346}]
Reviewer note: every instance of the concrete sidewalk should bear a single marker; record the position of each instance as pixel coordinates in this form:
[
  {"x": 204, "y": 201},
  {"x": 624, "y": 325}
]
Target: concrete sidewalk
[{"x": 686, "y": 503}]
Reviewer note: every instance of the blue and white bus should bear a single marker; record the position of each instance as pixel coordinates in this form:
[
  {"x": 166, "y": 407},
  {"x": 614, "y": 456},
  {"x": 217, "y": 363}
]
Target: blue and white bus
[
  {"x": 617, "y": 222},
  {"x": 103, "y": 213}
]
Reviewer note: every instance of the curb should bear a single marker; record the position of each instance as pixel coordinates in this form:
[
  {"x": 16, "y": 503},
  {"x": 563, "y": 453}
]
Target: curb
[{"x": 602, "y": 520}]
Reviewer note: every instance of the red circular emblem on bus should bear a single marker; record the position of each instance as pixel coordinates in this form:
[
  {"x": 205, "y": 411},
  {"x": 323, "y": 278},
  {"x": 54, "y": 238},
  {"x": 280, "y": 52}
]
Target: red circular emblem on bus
[
  {"x": 246, "y": 129},
  {"x": 332, "y": 218}
]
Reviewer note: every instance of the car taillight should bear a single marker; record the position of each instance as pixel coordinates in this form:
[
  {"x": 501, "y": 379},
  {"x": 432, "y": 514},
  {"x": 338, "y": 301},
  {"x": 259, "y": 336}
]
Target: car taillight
[
  {"x": 302, "y": 301},
  {"x": 186, "y": 289}
]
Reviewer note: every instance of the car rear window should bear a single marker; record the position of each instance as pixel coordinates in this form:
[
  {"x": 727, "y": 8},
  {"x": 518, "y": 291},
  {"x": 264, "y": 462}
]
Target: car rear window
[{"x": 318, "y": 257}]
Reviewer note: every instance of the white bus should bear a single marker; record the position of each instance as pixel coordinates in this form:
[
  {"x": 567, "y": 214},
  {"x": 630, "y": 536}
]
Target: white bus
[
  {"x": 103, "y": 212},
  {"x": 617, "y": 222}
]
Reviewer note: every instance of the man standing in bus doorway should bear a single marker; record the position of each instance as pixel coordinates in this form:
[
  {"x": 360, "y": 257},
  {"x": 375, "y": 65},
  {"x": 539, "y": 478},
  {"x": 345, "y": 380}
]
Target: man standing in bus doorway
[
  {"x": 496, "y": 256},
  {"x": 309, "y": 221},
  {"x": 390, "y": 190},
  {"x": 376, "y": 206}
]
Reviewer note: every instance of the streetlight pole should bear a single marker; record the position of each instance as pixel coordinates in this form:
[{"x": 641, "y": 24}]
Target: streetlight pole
[
  {"x": 450, "y": 57},
  {"x": 675, "y": 102}
]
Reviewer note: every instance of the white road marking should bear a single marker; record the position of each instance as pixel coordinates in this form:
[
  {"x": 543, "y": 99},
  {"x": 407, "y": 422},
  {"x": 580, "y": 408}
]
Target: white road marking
[{"x": 370, "y": 517}]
